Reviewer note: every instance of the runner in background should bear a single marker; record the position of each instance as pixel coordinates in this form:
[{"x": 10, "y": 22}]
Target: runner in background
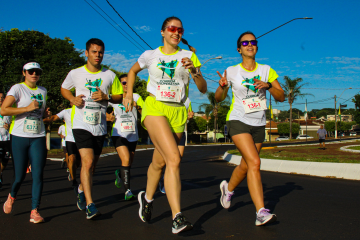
[
  {"x": 27, "y": 135},
  {"x": 61, "y": 133},
  {"x": 124, "y": 135},
  {"x": 95, "y": 87},
  {"x": 246, "y": 121},
  {"x": 4, "y": 140},
  {"x": 164, "y": 114},
  {"x": 321, "y": 133}
]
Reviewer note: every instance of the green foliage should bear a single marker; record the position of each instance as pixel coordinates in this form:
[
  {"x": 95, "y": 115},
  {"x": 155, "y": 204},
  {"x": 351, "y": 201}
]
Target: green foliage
[
  {"x": 341, "y": 126},
  {"x": 221, "y": 121},
  {"x": 356, "y": 100},
  {"x": 56, "y": 57},
  {"x": 330, "y": 126},
  {"x": 357, "y": 117},
  {"x": 284, "y": 128},
  {"x": 201, "y": 124}
]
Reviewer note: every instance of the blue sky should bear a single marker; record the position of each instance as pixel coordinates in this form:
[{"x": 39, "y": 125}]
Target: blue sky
[{"x": 323, "y": 51}]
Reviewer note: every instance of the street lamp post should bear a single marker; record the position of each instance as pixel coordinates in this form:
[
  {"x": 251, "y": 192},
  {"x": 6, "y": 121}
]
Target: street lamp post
[
  {"x": 283, "y": 25},
  {"x": 335, "y": 110}
]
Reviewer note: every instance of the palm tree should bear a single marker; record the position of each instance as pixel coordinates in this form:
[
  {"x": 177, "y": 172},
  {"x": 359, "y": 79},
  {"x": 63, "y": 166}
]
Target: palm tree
[
  {"x": 292, "y": 90},
  {"x": 213, "y": 107}
]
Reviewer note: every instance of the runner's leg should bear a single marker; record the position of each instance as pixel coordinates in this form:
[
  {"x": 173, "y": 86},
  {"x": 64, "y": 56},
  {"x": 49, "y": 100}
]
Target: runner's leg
[{"x": 87, "y": 163}]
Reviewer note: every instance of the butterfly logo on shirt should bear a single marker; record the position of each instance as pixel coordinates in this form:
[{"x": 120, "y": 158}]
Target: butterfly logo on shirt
[
  {"x": 249, "y": 84},
  {"x": 168, "y": 67},
  {"x": 39, "y": 98},
  {"x": 91, "y": 85}
]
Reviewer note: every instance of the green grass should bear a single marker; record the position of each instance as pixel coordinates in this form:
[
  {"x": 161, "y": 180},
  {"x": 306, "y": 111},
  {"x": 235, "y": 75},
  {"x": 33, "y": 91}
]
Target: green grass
[{"x": 355, "y": 148}]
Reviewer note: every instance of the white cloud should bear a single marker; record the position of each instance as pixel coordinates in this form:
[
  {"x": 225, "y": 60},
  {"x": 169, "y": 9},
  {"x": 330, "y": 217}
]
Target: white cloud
[{"x": 143, "y": 28}]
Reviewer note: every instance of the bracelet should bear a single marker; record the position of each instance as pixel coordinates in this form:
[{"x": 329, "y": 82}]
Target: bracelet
[
  {"x": 109, "y": 97},
  {"x": 270, "y": 85}
]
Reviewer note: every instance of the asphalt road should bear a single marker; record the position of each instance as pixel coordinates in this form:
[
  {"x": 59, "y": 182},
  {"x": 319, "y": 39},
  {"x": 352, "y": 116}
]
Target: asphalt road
[{"x": 307, "y": 207}]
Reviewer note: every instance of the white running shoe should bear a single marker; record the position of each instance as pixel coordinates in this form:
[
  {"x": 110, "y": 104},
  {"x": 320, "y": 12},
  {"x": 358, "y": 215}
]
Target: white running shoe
[
  {"x": 225, "y": 198},
  {"x": 264, "y": 216}
]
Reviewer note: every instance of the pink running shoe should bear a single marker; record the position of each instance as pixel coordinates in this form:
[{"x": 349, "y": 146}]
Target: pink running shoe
[
  {"x": 264, "y": 216},
  {"x": 225, "y": 198},
  {"x": 35, "y": 217},
  {"x": 8, "y": 205}
]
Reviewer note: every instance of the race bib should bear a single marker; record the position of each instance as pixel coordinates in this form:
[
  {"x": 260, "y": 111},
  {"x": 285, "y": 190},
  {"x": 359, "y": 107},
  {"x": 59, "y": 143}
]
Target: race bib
[
  {"x": 32, "y": 125},
  {"x": 127, "y": 126},
  {"x": 168, "y": 93},
  {"x": 254, "y": 104},
  {"x": 92, "y": 118}
]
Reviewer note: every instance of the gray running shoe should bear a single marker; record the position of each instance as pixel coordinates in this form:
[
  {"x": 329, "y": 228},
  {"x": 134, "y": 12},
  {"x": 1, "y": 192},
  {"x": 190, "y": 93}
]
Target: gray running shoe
[
  {"x": 180, "y": 224},
  {"x": 264, "y": 216},
  {"x": 225, "y": 198}
]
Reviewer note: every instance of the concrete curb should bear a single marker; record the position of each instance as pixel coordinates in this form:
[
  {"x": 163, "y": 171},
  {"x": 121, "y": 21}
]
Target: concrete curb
[
  {"x": 320, "y": 169},
  {"x": 350, "y": 150}
]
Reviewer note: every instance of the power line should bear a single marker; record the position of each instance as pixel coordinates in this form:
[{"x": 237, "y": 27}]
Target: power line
[
  {"x": 128, "y": 24},
  {"x": 329, "y": 88},
  {"x": 117, "y": 24},
  {"x": 113, "y": 25}
]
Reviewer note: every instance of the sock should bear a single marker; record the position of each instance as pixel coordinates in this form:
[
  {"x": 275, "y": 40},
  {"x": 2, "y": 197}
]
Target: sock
[
  {"x": 176, "y": 215},
  {"x": 79, "y": 191},
  {"x": 149, "y": 201},
  {"x": 125, "y": 176}
]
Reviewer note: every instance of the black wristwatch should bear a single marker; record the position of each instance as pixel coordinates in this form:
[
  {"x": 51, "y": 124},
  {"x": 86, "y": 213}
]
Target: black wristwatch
[{"x": 270, "y": 85}]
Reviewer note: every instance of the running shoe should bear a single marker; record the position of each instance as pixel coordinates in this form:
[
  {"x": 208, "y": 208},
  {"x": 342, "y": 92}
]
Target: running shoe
[
  {"x": 264, "y": 216},
  {"x": 1, "y": 184},
  {"x": 91, "y": 211},
  {"x": 63, "y": 163},
  {"x": 129, "y": 195},
  {"x": 8, "y": 205},
  {"x": 67, "y": 170},
  {"x": 180, "y": 224},
  {"x": 162, "y": 185},
  {"x": 81, "y": 201},
  {"x": 118, "y": 182},
  {"x": 35, "y": 217},
  {"x": 145, "y": 208},
  {"x": 225, "y": 198},
  {"x": 69, "y": 177}
]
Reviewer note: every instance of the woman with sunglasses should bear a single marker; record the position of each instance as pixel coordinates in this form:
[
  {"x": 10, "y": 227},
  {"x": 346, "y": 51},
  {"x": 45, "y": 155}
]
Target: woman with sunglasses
[
  {"x": 164, "y": 114},
  {"x": 124, "y": 135},
  {"x": 246, "y": 121},
  {"x": 27, "y": 135}
]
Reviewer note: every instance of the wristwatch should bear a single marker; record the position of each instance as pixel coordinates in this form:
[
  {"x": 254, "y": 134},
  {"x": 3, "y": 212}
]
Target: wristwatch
[
  {"x": 270, "y": 85},
  {"x": 109, "y": 97}
]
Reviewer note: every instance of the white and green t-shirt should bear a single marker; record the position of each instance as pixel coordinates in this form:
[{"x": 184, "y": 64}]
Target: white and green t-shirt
[
  {"x": 66, "y": 115},
  {"x": 4, "y": 133},
  {"x": 167, "y": 69},
  {"x": 92, "y": 116},
  {"x": 62, "y": 131},
  {"x": 241, "y": 82},
  {"x": 29, "y": 124},
  {"x": 125, "y": 119}
]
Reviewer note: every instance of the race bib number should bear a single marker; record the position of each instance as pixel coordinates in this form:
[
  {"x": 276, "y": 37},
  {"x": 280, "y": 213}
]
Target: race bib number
[
  {"x": 168, "y": 93},
  {"x": 32, "y": 125},
  {"x": 127, "y": 126},
  {"x": 254, "y": 104},
  {"x": 92, "y": 118}
]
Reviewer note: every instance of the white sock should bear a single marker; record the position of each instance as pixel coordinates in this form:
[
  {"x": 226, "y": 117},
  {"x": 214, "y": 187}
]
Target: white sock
[
  {"x": 176, "y": 215},
  {"x": 149, "y": 201},
  {"x": 260, "y": 210},
  {"x": 79, "y": 191}
]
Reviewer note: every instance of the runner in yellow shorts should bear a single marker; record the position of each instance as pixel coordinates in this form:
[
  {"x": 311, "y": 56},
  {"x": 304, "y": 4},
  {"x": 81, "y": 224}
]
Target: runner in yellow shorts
[{"x": 164, "y": 114}]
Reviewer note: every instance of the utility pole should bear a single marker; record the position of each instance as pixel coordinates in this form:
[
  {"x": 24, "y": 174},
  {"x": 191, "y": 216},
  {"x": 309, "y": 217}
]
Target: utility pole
[{"x": 335, "y": 118}]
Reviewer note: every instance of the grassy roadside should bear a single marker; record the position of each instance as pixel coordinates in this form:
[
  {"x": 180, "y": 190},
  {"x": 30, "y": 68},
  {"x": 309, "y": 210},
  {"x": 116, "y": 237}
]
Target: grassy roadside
[
  {"x": 355, "y": 148},
  {"x": 312, "y": 153}
]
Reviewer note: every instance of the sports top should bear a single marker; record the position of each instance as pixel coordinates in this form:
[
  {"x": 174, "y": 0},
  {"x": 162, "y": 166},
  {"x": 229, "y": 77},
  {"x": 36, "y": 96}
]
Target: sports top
[
  {"x": 167, "y": 69},
  {"x": 85, "y": 82},
  {"x": 4, "y": 133},
  {"x": 24, "y": 95},
  {"x": 241, "y": 81},
  {"x": 66, "y": 115},
  {"x": 62, "y": 131},
  {"x": 121, "y": 116}
]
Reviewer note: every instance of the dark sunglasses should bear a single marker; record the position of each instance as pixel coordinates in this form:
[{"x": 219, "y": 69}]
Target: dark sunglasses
[
  {"x": 123, "y": 83},
  {"x": 246, "y": 42},
  {"x": 37, "y": 72},
  {"x": 173, "y": 29}
]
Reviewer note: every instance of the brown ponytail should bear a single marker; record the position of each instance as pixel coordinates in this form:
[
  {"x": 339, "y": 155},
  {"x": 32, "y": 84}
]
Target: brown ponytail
[{"x": 186, "y": 43}]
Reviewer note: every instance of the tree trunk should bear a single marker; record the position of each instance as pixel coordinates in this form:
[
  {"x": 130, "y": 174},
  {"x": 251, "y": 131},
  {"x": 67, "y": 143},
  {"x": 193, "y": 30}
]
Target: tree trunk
[
  {"x": 290, "y": 120},
  {"x": 215, "y": 116}
]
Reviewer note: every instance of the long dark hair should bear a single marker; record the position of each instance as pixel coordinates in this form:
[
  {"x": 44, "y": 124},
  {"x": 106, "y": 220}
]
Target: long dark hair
[{"x": 182, "y": 39}]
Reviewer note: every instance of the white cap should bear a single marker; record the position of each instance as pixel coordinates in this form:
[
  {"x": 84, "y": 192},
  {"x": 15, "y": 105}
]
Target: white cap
[{"x": 31, "y": 65}]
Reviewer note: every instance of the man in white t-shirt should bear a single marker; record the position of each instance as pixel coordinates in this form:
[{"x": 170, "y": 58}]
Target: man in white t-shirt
[
  {"x": 62, "y": 134},
  {"x": 321, "y": 132},
  {"x": 95, "y": 86},
  {"x": 5, "y": 122}
]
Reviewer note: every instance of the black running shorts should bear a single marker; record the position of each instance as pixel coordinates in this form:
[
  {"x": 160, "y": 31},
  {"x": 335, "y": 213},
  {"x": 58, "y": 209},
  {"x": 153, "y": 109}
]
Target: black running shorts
[
  {"x": 182, "y": 140},
  {"x": 85, "y": 139},
  {"x": 321, "y": 140},
  {"x": 120, "y": 141},
  {"x": 236, "y": 127},
  {"x": 72, "y": 148}
]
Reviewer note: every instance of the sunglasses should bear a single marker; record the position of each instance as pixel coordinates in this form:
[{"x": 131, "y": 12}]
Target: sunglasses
[
  {"x": 123, "y": 83},
  {"x": 246, "y": 42},
  {"x": 37, "y": 72},
  {"x": 174, "y": 29}
]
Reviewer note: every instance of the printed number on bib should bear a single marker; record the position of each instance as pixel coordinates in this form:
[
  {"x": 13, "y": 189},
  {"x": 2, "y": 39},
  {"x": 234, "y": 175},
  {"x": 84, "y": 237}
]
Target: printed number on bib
[
  {"x": 127, "y": 126},
  {"x": 92, "y": 118},
  {"x": 32, "y": 125},
  {"x": 254, "y": 104},
  {"x": 168, "y": 93}
]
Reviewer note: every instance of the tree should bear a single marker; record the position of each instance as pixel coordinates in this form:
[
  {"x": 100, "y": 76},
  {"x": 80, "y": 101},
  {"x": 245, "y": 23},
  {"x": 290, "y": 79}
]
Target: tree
[
  {"x": 213, "y": 107},
  {"x": 201, "y": 124},
  {"x": 292, "y": 90},
  {"x": 356, "y": 100},
  {"x": 284, "y": 128},
  {"x": 56, "y": 57}
]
